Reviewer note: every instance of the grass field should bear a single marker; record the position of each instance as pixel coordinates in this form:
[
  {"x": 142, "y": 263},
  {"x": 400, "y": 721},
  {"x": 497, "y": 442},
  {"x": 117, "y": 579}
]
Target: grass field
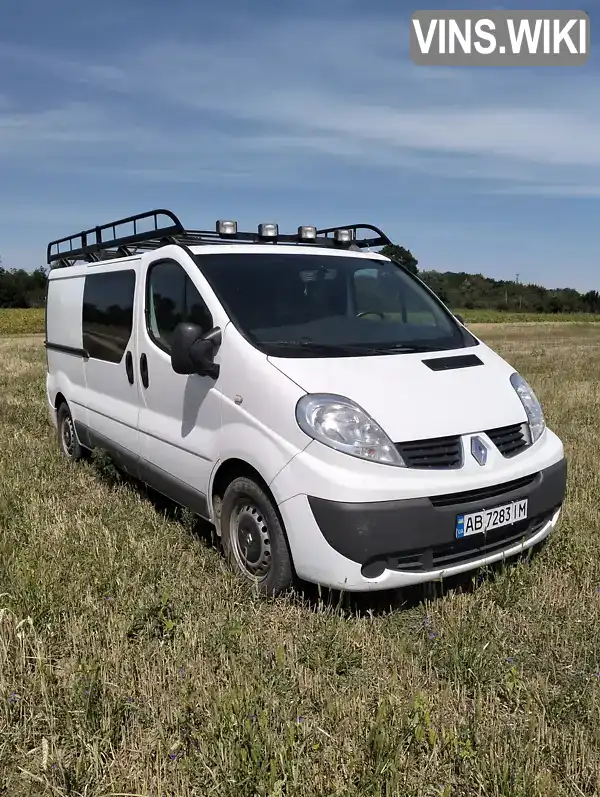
[
  {"x": 502, "y": 317},
  {"x": 31, "y": 321},
  {"x": 132, "y": 663},
  {"x": 21, "y": 322}
]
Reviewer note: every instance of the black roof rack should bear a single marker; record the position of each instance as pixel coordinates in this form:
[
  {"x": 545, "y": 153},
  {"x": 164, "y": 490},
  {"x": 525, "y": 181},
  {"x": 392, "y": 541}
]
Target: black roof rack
[
  {"x": 145, "y": 233},
  {"x": 381, "y": 238}
]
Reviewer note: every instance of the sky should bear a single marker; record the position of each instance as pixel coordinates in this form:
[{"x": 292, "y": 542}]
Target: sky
[{"x": 303, "y": 113}]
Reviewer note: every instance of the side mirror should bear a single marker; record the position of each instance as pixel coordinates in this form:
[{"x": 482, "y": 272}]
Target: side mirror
[
  {"x": 460, "y": 319},
  {"x": 193, "y": 351}
]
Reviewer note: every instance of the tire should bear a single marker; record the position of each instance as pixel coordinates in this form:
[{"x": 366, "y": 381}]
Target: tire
[
  {"x": 247, "y": 510},
  {"x": 67, "y": 439}
]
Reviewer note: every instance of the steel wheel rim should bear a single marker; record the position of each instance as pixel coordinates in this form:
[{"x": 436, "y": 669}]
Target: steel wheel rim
[
  {"x": 67, "y": 436},
  {"x": 250, "y": 540}
]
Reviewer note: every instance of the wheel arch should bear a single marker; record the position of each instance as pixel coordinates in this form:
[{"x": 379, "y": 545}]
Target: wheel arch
[
  {"x": 58, "y": 400},
  {"x": 231, "y": 469}
]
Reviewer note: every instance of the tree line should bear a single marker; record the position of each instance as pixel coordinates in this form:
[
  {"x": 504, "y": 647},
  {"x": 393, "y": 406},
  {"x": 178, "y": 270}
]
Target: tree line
[
  {"x": 20, "y": 288},
  {"x": 458, "y": 290}
]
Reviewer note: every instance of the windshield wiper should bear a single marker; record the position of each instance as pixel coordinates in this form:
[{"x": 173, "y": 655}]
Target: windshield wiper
[
  {"x": 348, "y": 348},
  {"x": 402, "y": 347},
  {"x": 314, "y": 346}
]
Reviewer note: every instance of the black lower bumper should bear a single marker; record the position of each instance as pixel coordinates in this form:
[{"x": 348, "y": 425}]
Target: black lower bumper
[{"x": 418, "y": 534}]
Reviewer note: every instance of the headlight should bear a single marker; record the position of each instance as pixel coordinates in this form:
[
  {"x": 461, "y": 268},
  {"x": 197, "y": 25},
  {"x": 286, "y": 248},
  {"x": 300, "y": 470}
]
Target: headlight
[
  {"x": 339, "y": 423},
  {"x": 533, "y": 408}
]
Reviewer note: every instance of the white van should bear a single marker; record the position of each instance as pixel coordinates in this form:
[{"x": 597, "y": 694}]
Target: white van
[{"x": 311, "y": 398}]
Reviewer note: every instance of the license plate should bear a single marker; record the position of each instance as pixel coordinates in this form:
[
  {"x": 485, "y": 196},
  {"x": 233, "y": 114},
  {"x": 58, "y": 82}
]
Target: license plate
[{"x": 488, "y": 519}]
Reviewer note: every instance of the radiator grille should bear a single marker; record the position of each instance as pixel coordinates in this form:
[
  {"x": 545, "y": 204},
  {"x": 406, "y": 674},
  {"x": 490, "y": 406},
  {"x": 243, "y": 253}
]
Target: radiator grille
[
  {"x": 483, "y": 493},
  {"x": 438, "y": 452},
  {"x": 509, "y": 440}
]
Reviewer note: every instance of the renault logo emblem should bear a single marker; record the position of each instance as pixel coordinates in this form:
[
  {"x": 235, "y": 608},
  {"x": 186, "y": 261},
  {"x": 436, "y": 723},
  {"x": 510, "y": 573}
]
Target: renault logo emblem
[{"x": 478, "y": 450}]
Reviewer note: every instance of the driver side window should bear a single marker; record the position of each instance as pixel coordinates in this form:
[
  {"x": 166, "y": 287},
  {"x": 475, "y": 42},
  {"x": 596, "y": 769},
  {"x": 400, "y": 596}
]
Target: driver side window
[
  {"x": 418, "y": 310},
  {"x": 378, "y": 292},
  {"x": 370, "y": 294},
  {"x": 171, "y": 297}
]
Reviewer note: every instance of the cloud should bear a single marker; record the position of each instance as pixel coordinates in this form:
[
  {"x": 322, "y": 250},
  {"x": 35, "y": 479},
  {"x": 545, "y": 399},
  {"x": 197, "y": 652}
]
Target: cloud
[
  {"x": 560, "y": 190},
  {"x": 298, "y": 98}
]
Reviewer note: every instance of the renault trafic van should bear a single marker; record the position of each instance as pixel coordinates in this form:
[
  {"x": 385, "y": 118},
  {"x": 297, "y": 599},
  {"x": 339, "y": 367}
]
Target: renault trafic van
[{"x": 311, "y": 398}]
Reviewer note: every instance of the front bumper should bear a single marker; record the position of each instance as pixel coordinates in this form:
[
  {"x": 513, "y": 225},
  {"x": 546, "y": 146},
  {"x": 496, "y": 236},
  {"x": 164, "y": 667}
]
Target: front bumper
[{"x": 418, "y": 535}]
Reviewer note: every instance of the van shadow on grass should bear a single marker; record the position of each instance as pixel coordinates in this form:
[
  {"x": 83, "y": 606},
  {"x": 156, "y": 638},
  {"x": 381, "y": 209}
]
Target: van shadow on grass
[
  {"x": 382, "y": 602},
  {"x": 112, "y": 475},
  {"x": 307, "y": 595}
]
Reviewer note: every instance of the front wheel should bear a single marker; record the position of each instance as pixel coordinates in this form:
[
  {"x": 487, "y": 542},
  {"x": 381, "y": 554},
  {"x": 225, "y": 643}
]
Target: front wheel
[{"x": 253, "y": 537}]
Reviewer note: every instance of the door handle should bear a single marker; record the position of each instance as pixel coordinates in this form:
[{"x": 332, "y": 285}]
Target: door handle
[
  {"x": 129, "y": 367},
  {"x": 144, "y": 370}
]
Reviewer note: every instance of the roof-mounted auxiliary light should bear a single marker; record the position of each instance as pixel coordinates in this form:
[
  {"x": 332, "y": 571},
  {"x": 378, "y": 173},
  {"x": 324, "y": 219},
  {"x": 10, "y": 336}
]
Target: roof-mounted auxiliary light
[
  {"x": 343, "y": 236},
  {"x": 307, "y": 233},
  {"x": 227, "y": 227},
  {"x": 268, "y": 230}
]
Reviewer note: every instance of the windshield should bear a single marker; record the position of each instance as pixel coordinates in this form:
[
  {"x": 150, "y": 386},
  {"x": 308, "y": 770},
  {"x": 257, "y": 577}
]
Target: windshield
[{"x": 305, "y": 305}]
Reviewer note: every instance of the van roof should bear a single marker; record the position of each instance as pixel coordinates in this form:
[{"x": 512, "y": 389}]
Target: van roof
[{"x": 145, "y": 233}]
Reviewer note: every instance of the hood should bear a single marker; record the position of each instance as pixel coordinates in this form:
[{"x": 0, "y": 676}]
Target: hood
[{"x": 411, "y": 400}]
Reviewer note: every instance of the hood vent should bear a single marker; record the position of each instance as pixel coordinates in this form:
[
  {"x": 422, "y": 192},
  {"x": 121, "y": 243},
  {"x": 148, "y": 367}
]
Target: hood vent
[{"x": 449, "y": 363}]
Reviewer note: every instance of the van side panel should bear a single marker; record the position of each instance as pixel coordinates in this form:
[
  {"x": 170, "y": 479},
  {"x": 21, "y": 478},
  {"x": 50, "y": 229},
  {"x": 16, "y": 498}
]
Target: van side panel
[{"x": 64, "y": 344}]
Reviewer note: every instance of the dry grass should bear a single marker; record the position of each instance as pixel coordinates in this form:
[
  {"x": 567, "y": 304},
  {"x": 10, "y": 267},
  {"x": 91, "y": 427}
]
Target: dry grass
[{"x": 132, "y": 663}]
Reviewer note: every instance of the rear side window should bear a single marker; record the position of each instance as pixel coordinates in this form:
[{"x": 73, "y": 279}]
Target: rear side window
[
  {"x": 107, "y": 319},
  {"x": 172, "y": 298}
]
